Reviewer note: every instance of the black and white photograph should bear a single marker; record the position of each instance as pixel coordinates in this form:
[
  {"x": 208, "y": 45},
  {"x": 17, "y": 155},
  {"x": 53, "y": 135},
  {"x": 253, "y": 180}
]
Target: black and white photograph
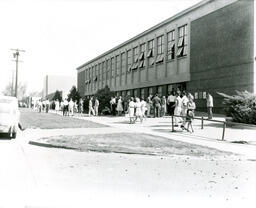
[{"x": 127, "y": 103}]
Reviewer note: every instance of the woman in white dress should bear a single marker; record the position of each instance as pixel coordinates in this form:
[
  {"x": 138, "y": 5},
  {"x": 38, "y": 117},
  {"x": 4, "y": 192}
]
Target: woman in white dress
[
  {"x": 138, "y": 108},
  {"x": 143, "y": 108},
  {"x": 57, "y": 106},
  {"x": 131, "y": 110},
  {"x": 119, "y": 107}
]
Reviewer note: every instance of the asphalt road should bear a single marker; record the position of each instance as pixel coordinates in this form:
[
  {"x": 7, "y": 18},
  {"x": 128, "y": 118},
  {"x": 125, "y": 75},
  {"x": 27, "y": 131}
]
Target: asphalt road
[{"x": 32, "y": 176}]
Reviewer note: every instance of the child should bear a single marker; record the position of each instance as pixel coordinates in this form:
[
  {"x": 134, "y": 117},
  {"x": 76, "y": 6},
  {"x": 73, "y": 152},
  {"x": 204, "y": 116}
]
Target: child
[{"x": 191, "y": 106}]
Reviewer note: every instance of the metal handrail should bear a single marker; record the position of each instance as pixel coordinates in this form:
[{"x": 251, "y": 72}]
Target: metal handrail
[{"x": 202, "y": 123}]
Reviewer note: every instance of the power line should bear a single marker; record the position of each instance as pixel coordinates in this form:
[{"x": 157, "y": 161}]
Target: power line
[{"x": 16, "y": 55}]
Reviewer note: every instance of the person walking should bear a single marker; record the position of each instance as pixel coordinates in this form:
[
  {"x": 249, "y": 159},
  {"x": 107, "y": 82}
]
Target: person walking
[
  {"x": 209, "y": 104},
  {"x": 65, "y": 107},
  {"x": 40, "y": 105},
  {"x": 138, "y": 110},
  {"x": 143, "y": 108},
  {"x": 177, "y": 110},
  {"x": 47, "y": 106},
  {"x": 96, "y": 106},
  {"x": 91, "y": 107},
  {"x": 57, "y": 106},
  {"x": 131, "y": 106},
  {"x": 184, "y": 107},
  {"x": 163, "y": 106},
  {"x": 80, "y": 106},
  {"x": 119, "y": 107},
  {"x": 157, "y": 105},
  {"x": 171, "y": 103},
  {"x": 113, "y": 106},
  {"x": 191, "y": 106},
  {"x": 149, "y": 105},
  {"x": 71, "y": 107}
]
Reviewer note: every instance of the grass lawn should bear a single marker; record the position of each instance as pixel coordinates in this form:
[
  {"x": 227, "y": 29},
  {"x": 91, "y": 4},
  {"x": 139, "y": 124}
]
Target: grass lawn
[
  {"x": 32, "y": 119},
  {"x": 131, "y": 144}
]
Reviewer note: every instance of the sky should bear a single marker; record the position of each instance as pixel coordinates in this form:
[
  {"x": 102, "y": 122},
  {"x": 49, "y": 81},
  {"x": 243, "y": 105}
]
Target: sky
[{"x": 60, "y": 35}]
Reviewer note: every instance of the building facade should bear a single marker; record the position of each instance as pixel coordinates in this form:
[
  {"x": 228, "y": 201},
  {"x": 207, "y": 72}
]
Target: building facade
[{"x": 206, "y": 48}]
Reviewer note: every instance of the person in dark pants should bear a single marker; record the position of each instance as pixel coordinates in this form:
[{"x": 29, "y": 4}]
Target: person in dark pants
[
  {"x": 171, "y": 103},
  {"x": 157, "y": 105}
]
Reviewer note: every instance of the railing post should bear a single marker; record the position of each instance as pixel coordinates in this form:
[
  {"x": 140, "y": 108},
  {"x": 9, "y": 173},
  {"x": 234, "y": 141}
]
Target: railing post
[
  {"x": 223, "y": 133},
  {"x": 172, "y": 125},
  {"x": 202, "y": 123}
]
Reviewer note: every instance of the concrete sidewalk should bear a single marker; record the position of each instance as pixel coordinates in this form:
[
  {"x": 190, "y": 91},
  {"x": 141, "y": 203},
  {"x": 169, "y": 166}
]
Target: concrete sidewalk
[{"x": 210, "y": 136}]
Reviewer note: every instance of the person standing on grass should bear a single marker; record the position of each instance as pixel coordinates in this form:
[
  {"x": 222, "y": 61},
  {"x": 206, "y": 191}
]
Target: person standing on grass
[
  {"x": 191, "y": 106},
  {"x": 119, "y": 107},
  {"x": 80, "y": 106},
  {"x": 131, "y": 106},
  {"x": 91, "y": 107},
  {"x": 209, "y": 103},
  {"x": 40, "y": 105},
  {"x": 47, "y": 106},
  {"x": 96, "y": 106},
  {"x": 177, "y": 110}
]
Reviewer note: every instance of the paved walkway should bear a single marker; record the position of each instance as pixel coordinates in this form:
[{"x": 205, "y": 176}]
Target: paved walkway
[{"x": 210, "y": 136}]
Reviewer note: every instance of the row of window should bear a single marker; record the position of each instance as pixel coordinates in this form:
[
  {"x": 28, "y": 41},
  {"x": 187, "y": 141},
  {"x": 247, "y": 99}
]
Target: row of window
[{"x": 136, "y": 58}]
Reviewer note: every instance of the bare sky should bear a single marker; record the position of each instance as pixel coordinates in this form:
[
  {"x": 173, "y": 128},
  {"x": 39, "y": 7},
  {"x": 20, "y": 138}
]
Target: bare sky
[{"x": 60, "y": 35}]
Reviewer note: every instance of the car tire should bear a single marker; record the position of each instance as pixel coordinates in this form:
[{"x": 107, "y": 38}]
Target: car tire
[{"x": 14, "y": 134}]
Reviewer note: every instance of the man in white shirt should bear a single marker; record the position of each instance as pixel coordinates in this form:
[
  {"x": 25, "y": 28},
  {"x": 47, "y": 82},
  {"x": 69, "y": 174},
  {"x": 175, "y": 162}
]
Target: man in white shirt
[
  {"x": 209, "y": 104},
  {"x": 184, "y": 106},
  {"x": 177, "y": 110}
]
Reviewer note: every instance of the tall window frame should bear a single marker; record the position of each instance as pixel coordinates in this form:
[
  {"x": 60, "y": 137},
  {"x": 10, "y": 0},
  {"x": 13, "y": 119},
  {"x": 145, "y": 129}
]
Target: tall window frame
[
  {"x": 183, "y": 41},
  {"x": 142, "y": 55},
  {"x": 129, "y": 60},
  {"x": 171, "y": 45},
  {"x": 123, "y": 59},
  {"x": 117, "y": 65},
  {"x": 150, "y": 53},
  {"x": 160, "y": 49}
]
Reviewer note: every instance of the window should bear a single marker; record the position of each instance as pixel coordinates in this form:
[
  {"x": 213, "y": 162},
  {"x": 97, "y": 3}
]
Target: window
[
  {"x": 122, "y": 63},
  {"x": 169, "y": 88},
  {"x": 117, "y": 65},
  {"x": 171, "y": 45},
  {"x": 150, "y": 90},
  {"x": 142, "y": 93},
  {"x": 112, "y": 67},
  {"x": 159, "y": 91},
  {"x": 160, "y": 49},
  {"x": 108, "y": 68},
  {"x": 142, "y": 55},
  {"x": 103, "y": 71},
  {"x": 135, "y": 58},
  {"x": 129, "y": 60},
  {"x": 183, "y": 41},
  {"x": 99, "y": 71},
  {"x": 150, "y": 48},
  {"x": 150, "y": 53}
]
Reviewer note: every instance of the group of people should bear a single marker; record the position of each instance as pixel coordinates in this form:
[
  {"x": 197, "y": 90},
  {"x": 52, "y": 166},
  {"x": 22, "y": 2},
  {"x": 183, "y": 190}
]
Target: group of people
[{"x": 42, "y": 106}]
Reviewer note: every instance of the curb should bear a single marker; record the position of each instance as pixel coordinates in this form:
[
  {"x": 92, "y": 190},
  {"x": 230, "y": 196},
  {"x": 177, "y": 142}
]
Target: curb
[{"x": 50, "y": 145}]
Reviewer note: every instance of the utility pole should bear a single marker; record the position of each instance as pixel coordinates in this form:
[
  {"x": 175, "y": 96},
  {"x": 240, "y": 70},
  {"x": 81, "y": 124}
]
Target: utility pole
[{"x": 16, "y": 55}]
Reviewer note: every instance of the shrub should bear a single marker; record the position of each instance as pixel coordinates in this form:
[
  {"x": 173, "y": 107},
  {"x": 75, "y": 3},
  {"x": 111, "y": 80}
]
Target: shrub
[{"x": 241, "y": 107}]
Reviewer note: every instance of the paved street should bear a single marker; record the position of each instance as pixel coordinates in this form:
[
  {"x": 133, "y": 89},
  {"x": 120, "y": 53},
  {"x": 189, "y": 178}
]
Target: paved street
[{"x": 53, "y": 177}]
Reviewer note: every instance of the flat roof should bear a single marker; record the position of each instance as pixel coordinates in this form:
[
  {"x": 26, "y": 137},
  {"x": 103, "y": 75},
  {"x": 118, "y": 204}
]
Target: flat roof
[{"x": 196, "y": 6}]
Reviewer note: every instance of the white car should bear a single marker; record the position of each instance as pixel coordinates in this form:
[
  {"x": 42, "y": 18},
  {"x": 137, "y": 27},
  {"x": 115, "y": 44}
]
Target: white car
[{"x": 9, "y": 115}]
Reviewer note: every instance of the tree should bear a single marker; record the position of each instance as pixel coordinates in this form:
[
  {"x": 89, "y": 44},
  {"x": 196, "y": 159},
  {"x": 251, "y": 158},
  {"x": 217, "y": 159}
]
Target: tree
[
  {"x": 104, "y": 95},
  {"x": 74, "y": 95},
  {"x": 57, "y": 96},
  {"x": 9, "y": 91}
]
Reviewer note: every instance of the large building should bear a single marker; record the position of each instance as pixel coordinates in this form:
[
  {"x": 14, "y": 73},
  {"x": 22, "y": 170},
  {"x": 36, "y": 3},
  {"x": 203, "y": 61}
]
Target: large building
[
  {"x": 62, "y": 83},
  {"x": 206, "y": 48}
]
